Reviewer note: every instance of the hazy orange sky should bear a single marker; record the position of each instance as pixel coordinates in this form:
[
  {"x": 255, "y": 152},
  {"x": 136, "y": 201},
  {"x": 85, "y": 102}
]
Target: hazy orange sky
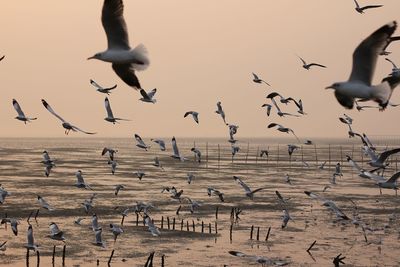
[{"x": 201, "y": 52}]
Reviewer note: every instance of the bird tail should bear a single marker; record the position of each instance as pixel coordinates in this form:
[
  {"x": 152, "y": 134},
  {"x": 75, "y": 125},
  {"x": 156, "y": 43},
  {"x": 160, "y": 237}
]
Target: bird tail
[
  {"x": 142, "y": 60},
  {"x": 382, "y": 94}
]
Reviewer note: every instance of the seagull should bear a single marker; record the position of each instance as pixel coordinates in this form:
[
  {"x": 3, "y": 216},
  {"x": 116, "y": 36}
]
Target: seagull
[
  {"x": 80, "y": 183},
  {"x": 329, "y": 204},
  {"x": 391, "y": 183},
  {"x": 13, "y": 222},
  {"x": 197, "y": 154},
  {"x": 31, "y": 243},
  {"x": 139, "y": 174},
  {"x": 279, "y": 112},
  {"x": 68, "y": 127},
  {"x": 213, "y": 191},
  {"x": 308, "y": 142},
  {"x": 350, "y": 132},
  {"x": 1, "y": 58},
  {"x": 78, "y": 221},
  {"x": 379, "y": 162},
  {"x": 285, "y": 219},
  {"x": 110, "y": 117},
  {"x": 264, "y": 152},
  {"x": 140, "y": 142},
  {"x": 361, "y": 9},
  {"x": 235, "y": 149},
  {"x": 116, "y": 230},
  {"x": 190, "y": 177},
  {"x": 46, "y": 159},
  {"x": 88, "y": 203},
  {"x": 249, "y": 193},
  {"x": 258, "y": 80},
  {"x": 160, "y": 142},
  {"x": 322, "y": 166},
  {"x": 43, "y": 203},
  {"x": 220, "y": 111},
  {"x": 193, "y": 204},
  {"x": 152, "y": 228},
  {"x": 282, "y": 99},
  {"x": 395, "y": 69},
  {"x": 111, "y": 152},
  {"x": 194, "y": 114},
  {"x": 55, "y": 232},
  {"x": 124, "y": 59},
  {"x": 117, "y": 188},
  {"x": 264, "y": 261},
  {"x": 268, "y": 108},
  {"x": 21, "y": 116},
  {"x": 148, "y": 97},
  {"x": 176, "y": 154},
  {"x": 287, "y": 179},
  {"x": 102, "y": 89},
  {"x": 99, "y": 242},
  {"x": 299, "y": 105},
  {"x": 364, "y": 62},
  {"x": 308, "y": 66},
  {"x": 291, "y": 149},
  {"x": 283, "y": 129},
  {"x": 175, "y": 194},
  {"x": 113, "y": 164},
  {"x": 3, "y": 194},
  {"x": 157, "y": 163},
  {"x": 95, "y": 223}
]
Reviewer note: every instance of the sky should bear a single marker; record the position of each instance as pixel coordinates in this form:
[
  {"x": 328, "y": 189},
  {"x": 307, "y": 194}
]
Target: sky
[{"x": 201, "y": 52}]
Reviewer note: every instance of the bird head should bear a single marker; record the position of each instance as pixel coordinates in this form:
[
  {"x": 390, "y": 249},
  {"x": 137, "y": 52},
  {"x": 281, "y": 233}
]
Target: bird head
[
  {"x": 96, "y": 56},
  {"x": 334, "y": 86}
]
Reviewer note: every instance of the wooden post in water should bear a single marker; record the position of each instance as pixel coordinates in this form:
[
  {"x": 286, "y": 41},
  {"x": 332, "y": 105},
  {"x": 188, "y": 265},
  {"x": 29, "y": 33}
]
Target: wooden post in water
[
  {"x": 258, "y": 233},
  {"x": 111, "y": 256},
  {"x": 187, "y": 226},
  {"x": 37, "y": 258},
  {"x": 209, "y": 228},
  {"x": 269, "y": 230},
  {"x": 230, "y": 233},
  {"x": 27, "y": 257},
  {"x": 162, "y": 222},
  {"x": 206, "y": 154},
  {"x": 63, "y": 255},
  {"x": 251, "y": 232},
  {"x": 258, "y": 151},
  {"x": 202, "y": 227},
  {"x": 173, "y": 224},
  {"x": 193, "y": 226},
  {"x": 162, "y": 260},
  {"x": 216, "y": 212},
  {"x": 168, "y": 225},
  {"x": 137, "y": 219},
  {"x": 216, "y": 227},
  {"x": 182, "y": 225},
  {"x": 316, "y": 154}
]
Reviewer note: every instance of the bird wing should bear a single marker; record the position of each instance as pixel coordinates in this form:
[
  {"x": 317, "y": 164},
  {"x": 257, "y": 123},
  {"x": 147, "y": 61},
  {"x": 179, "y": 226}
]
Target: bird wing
[
  {"x": 366, "y": 54},
  {"x": 152, "y": 93},
  {"x": 357, "y": 5},
  {"x": 273, "y": 94},
  {"x": 1, "y": 58},
  {"x": 108, "y": 108},
  {"x": 353, "y": 163},
  {"x": 144, "y": 94},
  {"x": 139, "y": 140},
  {"x": 386, "y": 154},
  {"x": 114, "y": 24},
  {"x": 54, "y": 230},
  {"x": 393, "y": 64},
  {"x": 92, "y": 82},
  {"x": 255, "y": 76},
  {"x": 105, "y": 150},
  {"x": 317, "y": 65},
  {"x": 47, "y": 106},
  {"x": 127, "y": 73},
  {"x": 18, "y": 108},
  {"x": 371, "y": 6},
  {"x": 345, "y": 100},
  {"x": 302, "y": 60},
  {"x": 175, "y": 147},
  {"x": 80, "y": 130},
  {"x": 394, "y": 178},
  {"x": 273, "y": 125},
  {"x": 245, "y": 187},
  {"x": 314, "y": 196},
  {"x": 187, "y": 113}
]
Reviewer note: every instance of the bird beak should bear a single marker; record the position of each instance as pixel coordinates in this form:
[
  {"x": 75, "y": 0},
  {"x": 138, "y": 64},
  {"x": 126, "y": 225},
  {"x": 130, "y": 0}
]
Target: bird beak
[
  {"x": 329, "y": 87},
  {"x": 90, "y": 57}
]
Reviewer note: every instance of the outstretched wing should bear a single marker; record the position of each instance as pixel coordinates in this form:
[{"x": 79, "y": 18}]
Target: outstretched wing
[
  {"x": 18, "y": 108},
  {"x": 47, "y": 106},
  {"x": 80, "y": 130},
  {"x": 114, "y": 24},
  {"x": 245, "y": 187},
  {"x": 108, "y": 108}
]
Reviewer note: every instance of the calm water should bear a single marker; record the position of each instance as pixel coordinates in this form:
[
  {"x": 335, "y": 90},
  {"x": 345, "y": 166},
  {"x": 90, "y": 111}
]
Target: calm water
[{"x": 22, "y": 174}]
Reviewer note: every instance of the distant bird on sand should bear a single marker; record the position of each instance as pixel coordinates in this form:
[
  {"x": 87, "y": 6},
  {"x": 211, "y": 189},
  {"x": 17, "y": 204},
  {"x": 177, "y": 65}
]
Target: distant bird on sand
[
  {"x": 194, "y": 114},
  {"x": 361, "y": 9},
  {"x": 21, "y": 116},
  {"x": 364, "y": 62},
  {"x": 148, "y": 97},
  {"x": 43, "y": 203},
  {"x": 256, "y": 79},
  {"x": 110, "y": 116},
  {"x": 307, "y": 66},
  {"x": 124, "y": 59},
  {"x": 104, "y": 90},
  {"x": 67, "y": 126}
]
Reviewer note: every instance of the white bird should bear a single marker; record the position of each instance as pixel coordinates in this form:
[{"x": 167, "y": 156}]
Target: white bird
[
  {"x": 113, "y": 165},
  {"x": 256, "y": 79},
  {"x": 364, "y": 62},
  {"x": 268, "y": 107},
  {"x": 80, "y": 183},
  {"x": 152, "y": 228},
  {"x": 101, "y": 89},
  {"x": 308, "y": 66},
  {"x": 194, "y": 114},
  {"x": 139, "y": 174},
  {"x": 249, "y": 192},
  {"x": 285, "y": 219},
  {"x": 21, "y": 115},
  {"x": 175, "y": 149},
  {"x": 67, "y": 126},
  {"x": 190, "y": 177},
  {"x": 13, "y": 222},
  {"x": 283, "y": 129},
  {"x": 111, "y": 152},
  {"x": 95, "y": 223},
  {"x": 391, "y": 183},
  {"x": 116, "y": 230},
  {"x": 380, "y": 162},
  {"x": 3, "y": 194},
  {"x": 329, "y": 204},
  {"x": 264, "y": 261},
  {"x": 140, "y": 143},
  {"x": 213, "y": 191},
  {"x": 55, "y": 232},
  {"x": 197, "y": 154},
  {"x": 148, "y": 97},
  {"x": 31, "y": 242},
  {"x": 46, "y": 159},
  {"x": 361, "y": 9},
  {"x": 124, "y": 59},
  {"x": 117, "y": 188},
  {"x": 99, "y": 242},
  {"x": 43, "y": 203},
  {"x": 110, "y": 116},
  {"x": 160, "y": 142},
  {"x": 220, "y": 111}
]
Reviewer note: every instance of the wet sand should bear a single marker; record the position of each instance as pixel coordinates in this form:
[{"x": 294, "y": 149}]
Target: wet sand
[{"x": 22, "y": 174}]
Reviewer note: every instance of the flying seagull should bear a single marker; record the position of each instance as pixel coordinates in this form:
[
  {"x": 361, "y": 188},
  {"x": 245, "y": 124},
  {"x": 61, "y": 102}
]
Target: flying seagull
[
  {"x": 176, "y": 154},
  {"x": 307, "y": 66},
  {"x": 31, "y": 243},
  {"x": 160, "y": 142},
  {"x": 364, "y": 62},
  {"x": 43, "y": 203},
  {"x": 102, "y": 89},
  {"x": 256, "y": 79},
  {"x": 283, "y": 129},
  {"x": 246, "y": 188},
  {"x": 329, "y": 204},
  {"x": 213, "y": 191},
  {"x": 220, "y": 111},
  {"x": 379, "y": 162},
  {"x": 110, "y": 116},
  {"x": 194, "y": 114},
  {"x": 55, "y": 232},
  {"x": 395, "y": 69},
  {"x": 67, "y": 126},
  {"x": 148, "y": 97},
  {"x": 111, "y": 152},
  {"x": 1, "y": 58},
  {"x": 80, "y": 183},
  {"x": 391, "y": 183},
  {"x": 279, "y": 112},
  {"x": 124, "y": 59},
  {"x": 140, "y": 143},
  {"x": 268, "y": 108},
  {"x": 21, "y": 116},
  {"x": 361, "y": 9},
  {"x": 282, "y": 99}
]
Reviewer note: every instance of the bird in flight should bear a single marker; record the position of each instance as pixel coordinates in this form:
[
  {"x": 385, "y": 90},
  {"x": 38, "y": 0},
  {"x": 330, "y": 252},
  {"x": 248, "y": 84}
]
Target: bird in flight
[
  {"x": 148, "y": 97},
  {"x": 67, "y": 126},
  {"x": 102, "y": 89},
  {"x": 307, "y": 66},
  {"x": 194, "y": 114},
  {"x": 256, "y": 79},
  {"x": 110, "y": 116},
  {"x": 21, "y": 116},
  {"x": 361, "y": 9},
  {"x": 359, "y": 84},
  {"x": 124, "y": 59}
]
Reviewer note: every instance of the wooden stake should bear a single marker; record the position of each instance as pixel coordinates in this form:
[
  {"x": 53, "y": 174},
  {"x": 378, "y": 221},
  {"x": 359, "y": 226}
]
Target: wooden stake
[
  {"x": 258, "y": 233},
  {"x": 111, "y": 256},
  {"x": 173, "y": 224},
  {"x": 216, "y": 213},
  {"x": 63, "y": 254},
  {"x": 37, "y": 258},
  {"x": 54, "y": 252},
  {"x": 310, "y": 247},
  {"x": 251, "y": 232},
  {"x": 269, "y": 230}
]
